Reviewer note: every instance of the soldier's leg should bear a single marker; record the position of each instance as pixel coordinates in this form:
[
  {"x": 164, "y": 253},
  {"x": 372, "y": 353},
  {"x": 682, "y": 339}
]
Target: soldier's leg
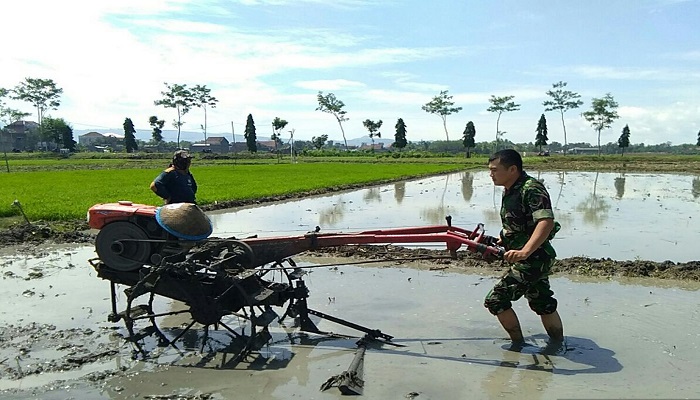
[
  {"x": 541, "y": 300},
  {"x": 552, "y": 324},
  {"x": 499, "y": 303}
]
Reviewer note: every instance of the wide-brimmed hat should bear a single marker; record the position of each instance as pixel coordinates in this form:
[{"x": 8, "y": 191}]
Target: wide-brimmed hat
[{"x": 184, "y": 220}]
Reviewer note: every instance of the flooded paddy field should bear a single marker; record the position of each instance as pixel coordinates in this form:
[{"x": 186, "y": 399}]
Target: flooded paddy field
[
  {"x": 626, "y": 337},
  {"x": 603, "y": 215}
]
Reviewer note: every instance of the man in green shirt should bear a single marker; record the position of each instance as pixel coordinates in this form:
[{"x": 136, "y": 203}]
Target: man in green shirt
[{"x": 528, "y": 227}]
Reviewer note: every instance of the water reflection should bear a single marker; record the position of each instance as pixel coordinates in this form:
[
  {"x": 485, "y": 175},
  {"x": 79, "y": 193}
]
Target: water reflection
[
  {"x": 399, "y": 191},
  {"x": 436, "y": 215},
  {"x": 332, "y": 215},
  {"x": 561, "y": 180},
  {"x": 539, "y": 177},
  {"x": 597, "y": 218},
  {"x": 494, "y": 212},
  {"x": 372, "y": 195},
  {"x": 620, "y": 186},
  {"x": 467, "y": 186},
  {"x": 594, "y": 208}
]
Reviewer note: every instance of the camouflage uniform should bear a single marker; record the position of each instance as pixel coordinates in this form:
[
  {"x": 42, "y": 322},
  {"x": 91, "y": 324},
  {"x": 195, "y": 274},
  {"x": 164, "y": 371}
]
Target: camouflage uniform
[{"x": 523, "y": 205}]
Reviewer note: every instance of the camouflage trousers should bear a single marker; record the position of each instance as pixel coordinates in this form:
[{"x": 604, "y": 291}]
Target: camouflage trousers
[{"x": 529, "y": 279}]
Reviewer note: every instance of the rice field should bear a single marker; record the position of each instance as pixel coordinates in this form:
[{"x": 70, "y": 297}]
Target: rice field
[{"x": 65, "y": 194}]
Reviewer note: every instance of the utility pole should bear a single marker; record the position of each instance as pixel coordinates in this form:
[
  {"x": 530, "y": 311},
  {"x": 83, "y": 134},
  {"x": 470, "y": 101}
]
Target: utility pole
[
  {"x": 233, "y": 149},
  {"x": 292, "y": 147},
  {"x": 274, "y": 136}
]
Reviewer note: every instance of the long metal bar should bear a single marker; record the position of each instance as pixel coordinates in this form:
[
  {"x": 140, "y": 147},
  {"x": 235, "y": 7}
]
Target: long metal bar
[{"x": 374, "y": 333}]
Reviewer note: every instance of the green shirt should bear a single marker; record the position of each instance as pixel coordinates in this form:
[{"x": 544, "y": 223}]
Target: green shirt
[{"x": 523, "y": 205}]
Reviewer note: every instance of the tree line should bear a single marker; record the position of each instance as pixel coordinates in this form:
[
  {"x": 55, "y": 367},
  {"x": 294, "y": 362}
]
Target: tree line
[{"x": 44, "y": 95}]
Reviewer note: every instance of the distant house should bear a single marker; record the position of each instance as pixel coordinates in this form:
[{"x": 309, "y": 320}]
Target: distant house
[
  {"x": 200, "y": 148},
  {"x": 90, "y": 139},
  {"x": 217, "y": 144},
  {"x": 266, "y": 145},
  {"x": 17, "y": 135},
  {"x": 114, "y": 136},
  {"x": 238, "y": 147},
  {"x": 96, "y": 141},
  {"x": 583, "y": 150},
  {"x": 376, "y": 147}
]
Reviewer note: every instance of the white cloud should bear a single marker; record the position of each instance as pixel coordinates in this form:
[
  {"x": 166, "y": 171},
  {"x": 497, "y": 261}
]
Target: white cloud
[
  {"x": 334, "y": 84},
  {"x": 632, "y": 73},
  {"x": 632, "y": 112},
  {"x": 111, "y": 58},
  {"x": 335, "y": 3}
]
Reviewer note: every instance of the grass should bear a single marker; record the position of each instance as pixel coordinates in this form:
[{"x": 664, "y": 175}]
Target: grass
[
  {"x": 67, "y": 194},
  {"x": 60, "y": 189}
]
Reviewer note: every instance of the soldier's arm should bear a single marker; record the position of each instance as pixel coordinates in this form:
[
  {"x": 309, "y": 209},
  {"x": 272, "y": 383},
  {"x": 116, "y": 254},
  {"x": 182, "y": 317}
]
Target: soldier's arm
[
  {"x": 537, "y": 200},
  {"x": 539, "y": 236}
]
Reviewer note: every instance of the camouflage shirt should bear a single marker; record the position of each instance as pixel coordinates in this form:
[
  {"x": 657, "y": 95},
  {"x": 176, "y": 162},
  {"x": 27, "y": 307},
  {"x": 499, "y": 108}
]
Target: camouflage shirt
[{"x": 523, "y": 205}]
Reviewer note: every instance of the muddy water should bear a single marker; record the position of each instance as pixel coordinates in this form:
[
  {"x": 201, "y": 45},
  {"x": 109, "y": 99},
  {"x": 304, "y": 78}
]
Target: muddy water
[
  {"x": 619, "y": 216},
  {"x": 626, "y": 339}
]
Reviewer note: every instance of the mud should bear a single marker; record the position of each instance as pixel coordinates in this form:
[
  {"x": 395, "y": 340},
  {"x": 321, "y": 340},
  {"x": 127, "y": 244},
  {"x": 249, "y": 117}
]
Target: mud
[
  {"x": 585, "y": 266},
  {"x": 55, "y": 342},
  {"x": 46, "y": 232}
]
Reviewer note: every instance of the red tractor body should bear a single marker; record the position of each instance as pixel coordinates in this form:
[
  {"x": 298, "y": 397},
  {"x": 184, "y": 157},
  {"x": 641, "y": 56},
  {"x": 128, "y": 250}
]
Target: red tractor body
[{"x": 102, "y": 214}]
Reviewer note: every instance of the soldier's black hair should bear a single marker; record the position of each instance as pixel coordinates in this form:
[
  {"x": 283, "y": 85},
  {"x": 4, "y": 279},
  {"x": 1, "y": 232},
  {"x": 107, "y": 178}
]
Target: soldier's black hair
[{"x": 508, "y": 157}]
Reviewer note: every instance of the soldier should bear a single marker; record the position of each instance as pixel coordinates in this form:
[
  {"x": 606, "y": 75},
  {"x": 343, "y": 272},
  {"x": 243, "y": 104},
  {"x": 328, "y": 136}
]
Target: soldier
[{"x": 528, "y": 227}]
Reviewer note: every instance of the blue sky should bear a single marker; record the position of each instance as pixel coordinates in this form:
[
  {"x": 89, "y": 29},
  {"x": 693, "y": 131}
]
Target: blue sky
[{"x": 383, "y": 59}]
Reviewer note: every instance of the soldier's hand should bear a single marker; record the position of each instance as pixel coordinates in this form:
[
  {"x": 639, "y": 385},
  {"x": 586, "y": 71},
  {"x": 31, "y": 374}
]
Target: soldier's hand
[{"x": 513, "y": 256}]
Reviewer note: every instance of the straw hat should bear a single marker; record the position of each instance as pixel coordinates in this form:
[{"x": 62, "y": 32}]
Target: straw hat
[{"x": 184, "y": 220}]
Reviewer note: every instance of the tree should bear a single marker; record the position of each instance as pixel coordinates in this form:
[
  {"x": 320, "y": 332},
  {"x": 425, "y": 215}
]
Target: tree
[
  {"x": 9, "y": 115},
  {"x": 500, "y": 105},
  {"x": 602, "y": 114},
  {"x": 541, "y": 137},
  {"x": 373, "y": 128},
  {"x": 319, "y": 142},
  {"x": 698, "y": 142},
  {"x": 442, "y": 105},
  {"x": 331, "y": 105},
  {"x": 277, "y": 125},
  {"x": 624, "y": 140},
  {"x": 180, "y": 98},
  {"x": 400, "y": 136},
  {"x": 41, "y": 93},
  {"x": 58, "y": 130},
  {"x": 129, "y": 138},
  {"x": 157, "y": 125},
  {"x": 562, "y": 101},
  {"x": 3, "y": 92},
  {"x": 251, "y": 138},
  {"x": 202, "y": 98},
  {"x": 468, "y": 137}
]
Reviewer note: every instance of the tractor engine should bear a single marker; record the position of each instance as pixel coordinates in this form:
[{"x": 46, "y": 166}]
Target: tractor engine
[{"x": 132, "y": 235}]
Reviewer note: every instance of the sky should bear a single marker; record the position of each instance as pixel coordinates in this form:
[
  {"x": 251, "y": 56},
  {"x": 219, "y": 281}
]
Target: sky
[{"x": 383, "y": 59}]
